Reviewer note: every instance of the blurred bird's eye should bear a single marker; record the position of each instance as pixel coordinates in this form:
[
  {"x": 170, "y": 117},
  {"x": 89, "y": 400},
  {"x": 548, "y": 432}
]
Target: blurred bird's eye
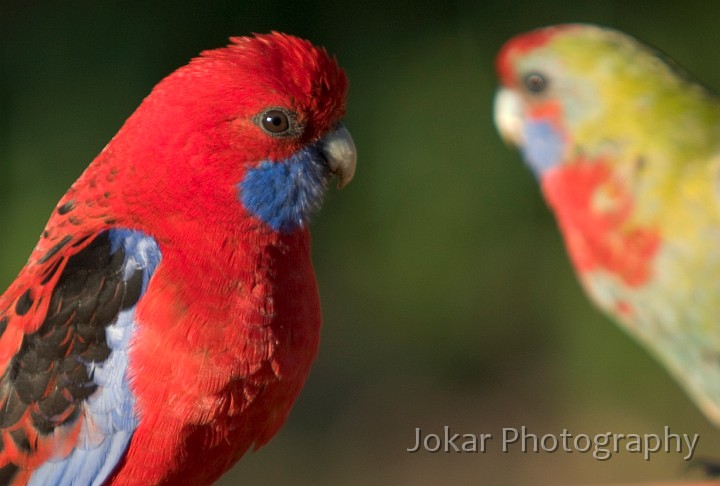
[
  {"x": 535, "y": 82},
  {"x": 278, "y": 122}
]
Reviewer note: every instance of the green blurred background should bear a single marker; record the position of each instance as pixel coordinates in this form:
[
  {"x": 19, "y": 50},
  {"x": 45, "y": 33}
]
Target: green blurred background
[{"x": 447, "y": 295}]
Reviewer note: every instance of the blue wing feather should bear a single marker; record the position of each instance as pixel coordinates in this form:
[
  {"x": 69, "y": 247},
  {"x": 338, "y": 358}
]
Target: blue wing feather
[{"x": 108, "y": 416}]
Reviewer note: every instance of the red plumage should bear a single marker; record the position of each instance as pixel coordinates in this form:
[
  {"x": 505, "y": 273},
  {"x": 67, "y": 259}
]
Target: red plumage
[
  {"x": 229, "y": 324},
  {"x": 592, "y": 237}
]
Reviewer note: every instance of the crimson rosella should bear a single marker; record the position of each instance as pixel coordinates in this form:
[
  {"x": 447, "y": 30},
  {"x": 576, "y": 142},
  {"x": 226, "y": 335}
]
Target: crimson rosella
[
  {"x": 168, "y": 317},
  {"x": 626, "y": 147}
]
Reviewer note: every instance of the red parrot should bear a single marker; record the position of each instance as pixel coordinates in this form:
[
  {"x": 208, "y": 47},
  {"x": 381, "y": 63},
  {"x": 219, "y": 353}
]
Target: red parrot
[{"x": 169, "y": 315}]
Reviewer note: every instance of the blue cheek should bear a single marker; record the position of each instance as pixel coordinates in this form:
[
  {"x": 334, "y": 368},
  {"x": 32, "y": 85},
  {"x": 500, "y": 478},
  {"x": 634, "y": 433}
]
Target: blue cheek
[
  {"x": 284, "y": 194},
  {"x": 543, "y": 147}
]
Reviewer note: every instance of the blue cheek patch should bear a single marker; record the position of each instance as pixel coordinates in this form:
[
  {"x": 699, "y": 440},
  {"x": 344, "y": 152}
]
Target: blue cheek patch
[
  {"x": 286, "y": 193},
  {"x": 543, "y": 147}
]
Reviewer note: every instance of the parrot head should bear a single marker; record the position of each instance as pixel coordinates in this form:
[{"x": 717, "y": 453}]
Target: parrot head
[
  {"x": 251, "y": 129},
  {"x": 574, "y": 90}
]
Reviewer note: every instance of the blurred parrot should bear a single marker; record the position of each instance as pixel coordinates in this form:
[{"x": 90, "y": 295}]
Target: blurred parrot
[
  {"x": 168, "y": 317},
  {"x": 626, "y": 148}
]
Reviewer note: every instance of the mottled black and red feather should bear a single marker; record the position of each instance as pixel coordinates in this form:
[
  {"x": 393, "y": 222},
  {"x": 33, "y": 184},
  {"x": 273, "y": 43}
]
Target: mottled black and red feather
[{"x": 46, "y": 382}]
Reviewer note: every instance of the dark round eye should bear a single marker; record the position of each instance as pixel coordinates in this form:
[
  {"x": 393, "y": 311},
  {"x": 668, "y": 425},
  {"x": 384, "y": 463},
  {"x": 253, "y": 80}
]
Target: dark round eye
[
  {"x": 535, "y": 82},
  {"x": 279, "y": 122},
  {"x": 275, "y": 121}
]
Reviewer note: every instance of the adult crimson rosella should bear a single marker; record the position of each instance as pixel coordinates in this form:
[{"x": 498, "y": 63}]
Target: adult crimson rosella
[
  {"x": 168, "y": 317},
  {"x": 626, "y": 147}
]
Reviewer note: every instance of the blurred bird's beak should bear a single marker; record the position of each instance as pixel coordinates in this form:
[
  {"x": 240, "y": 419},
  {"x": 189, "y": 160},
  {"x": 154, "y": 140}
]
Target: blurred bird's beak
[
  {"x": 509, "y": 114},
  {"x": 338, "y": 149}
]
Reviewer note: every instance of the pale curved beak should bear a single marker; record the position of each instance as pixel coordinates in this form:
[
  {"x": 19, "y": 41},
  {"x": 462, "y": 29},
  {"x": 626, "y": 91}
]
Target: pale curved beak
[
  {"x": 338, "y": 148},
  {"x": 508, "y": 114}
]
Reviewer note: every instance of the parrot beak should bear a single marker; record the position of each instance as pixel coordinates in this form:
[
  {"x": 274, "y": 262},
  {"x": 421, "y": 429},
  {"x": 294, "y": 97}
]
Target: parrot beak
[
  {"x": 509, "y": 114},
  {"x": 338, "y": 149}
]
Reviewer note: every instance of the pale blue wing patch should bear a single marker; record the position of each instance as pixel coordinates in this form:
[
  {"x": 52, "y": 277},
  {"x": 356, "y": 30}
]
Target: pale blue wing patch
[{"x": 108, "y": 417}]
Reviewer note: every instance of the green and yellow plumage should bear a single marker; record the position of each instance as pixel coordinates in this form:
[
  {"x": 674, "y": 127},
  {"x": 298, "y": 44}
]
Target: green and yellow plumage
[{"x": 627, "y": 150}]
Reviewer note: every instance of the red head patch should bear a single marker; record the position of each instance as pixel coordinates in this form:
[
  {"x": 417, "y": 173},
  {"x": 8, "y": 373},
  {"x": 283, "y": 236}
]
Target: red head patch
[{"x": 522, "y": 44}]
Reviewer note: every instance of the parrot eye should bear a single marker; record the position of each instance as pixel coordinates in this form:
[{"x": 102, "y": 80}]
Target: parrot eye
[
  {"x": 535, "y": 83},
  {"x": 278, "y": 122}
]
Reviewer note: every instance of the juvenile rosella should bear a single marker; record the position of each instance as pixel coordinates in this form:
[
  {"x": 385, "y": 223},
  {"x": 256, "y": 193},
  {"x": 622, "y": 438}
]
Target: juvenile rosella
[{"x": 626, "y": 148}]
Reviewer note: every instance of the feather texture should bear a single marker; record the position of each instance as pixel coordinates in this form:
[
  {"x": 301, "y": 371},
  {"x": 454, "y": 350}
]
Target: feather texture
[{"x": 169, "y": 315}]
